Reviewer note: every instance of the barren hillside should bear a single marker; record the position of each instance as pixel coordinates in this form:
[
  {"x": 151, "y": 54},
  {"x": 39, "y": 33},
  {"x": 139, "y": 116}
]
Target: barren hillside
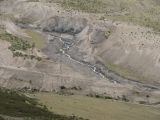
[{"x": 103, "y": 48}]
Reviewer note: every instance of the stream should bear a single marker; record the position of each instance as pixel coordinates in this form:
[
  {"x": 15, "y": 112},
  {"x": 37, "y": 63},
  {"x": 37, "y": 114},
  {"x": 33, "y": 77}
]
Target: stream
[{"x": 99, "y": 68}]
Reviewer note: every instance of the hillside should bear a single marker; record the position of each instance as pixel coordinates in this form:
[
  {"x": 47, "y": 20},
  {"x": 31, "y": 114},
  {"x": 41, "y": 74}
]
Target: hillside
[
  {"x": 79, "y": 49},
  {"x": 145, "y": 13},
  {"x": 97, "y": 109},
  {"x": 17, "y": 106}
]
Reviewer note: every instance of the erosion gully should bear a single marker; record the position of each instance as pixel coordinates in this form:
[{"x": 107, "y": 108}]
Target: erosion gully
[{"x": 99, "y": 68}]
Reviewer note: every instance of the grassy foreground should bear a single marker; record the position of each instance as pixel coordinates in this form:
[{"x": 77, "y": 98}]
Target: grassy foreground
[
  {"x": 97, "y": 109},
  {"x": 14, "y": 104}
]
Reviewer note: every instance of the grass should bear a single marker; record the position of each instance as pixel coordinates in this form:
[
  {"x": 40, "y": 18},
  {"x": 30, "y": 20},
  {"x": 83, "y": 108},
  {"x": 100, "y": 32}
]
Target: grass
[
  {"x": 97, "y": 109},
  {"x": 16, "y": 42},
  {"x": 26, "y": 56},
  {"x": 17, "y": 105},
  {"x": 36, "y": 38},
  {"x": 143, "y": 20},
  {"x": 126, "y": 72},
  {"x": 13, "y": 104},
  {"x": 146, "y": 12},
  {"x": 92, "y": 6},
  {"x": 6, "y": 16}
]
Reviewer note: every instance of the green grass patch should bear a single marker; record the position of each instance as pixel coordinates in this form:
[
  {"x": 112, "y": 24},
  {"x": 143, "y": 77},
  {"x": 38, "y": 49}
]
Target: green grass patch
[
  {"x": 26, "y": 56},
  {"x": 126, "y": 72},
  {"x": 36, "y": 38},
  {"x": 95, "y": 6},
  {"x": 97, "y": 109},
  {"x": 16, "y": 42},
  {"x": 15, "y": 104},
  {"x": 92, "y": 6},
  {"x": 6, "y": 16}
]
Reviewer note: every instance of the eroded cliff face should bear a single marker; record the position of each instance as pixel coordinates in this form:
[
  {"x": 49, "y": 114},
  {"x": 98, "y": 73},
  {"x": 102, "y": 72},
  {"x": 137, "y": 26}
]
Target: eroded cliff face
[{"x": 78, "y": 48}]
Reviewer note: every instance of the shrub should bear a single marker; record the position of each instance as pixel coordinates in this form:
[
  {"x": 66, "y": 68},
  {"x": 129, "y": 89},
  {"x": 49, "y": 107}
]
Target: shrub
[
  {"x": 16, "y": 42},
  {"x": 124, "y": 98}
]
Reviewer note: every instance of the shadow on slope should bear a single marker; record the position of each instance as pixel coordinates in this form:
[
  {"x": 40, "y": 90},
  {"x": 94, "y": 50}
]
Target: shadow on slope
[{"x": 18, "y": 105}]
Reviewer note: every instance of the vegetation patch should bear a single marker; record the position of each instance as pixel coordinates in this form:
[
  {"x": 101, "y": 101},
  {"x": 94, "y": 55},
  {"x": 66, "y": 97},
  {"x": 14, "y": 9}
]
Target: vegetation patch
[
  {"x": 104, "y": 96},
  {"x": 16, "y": 42},
  {"x": 26, "y": 56},
  {"x": 15, "y": 104},
  {"x": 142, "y": 20},
  {"x": 97, "y": 109},
  {"x": 126, "y": 72},
  {"x": 18, "y": 45},
  {"x": 92, "y": 6},
  {"x": 6, "y": 16},
  {"x": 36, "y": 38},
  {"x": 146, "y": 12}
]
